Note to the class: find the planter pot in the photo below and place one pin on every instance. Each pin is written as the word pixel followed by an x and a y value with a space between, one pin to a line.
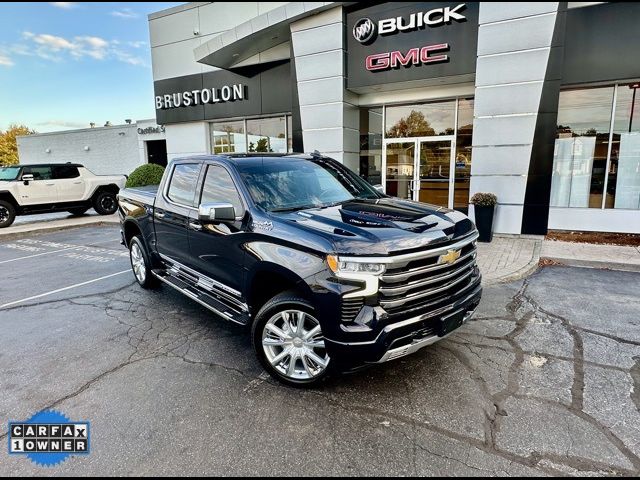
pixel 484 222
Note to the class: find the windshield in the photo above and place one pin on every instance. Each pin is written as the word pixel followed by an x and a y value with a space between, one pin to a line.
pixel 9 173
pixel 287 184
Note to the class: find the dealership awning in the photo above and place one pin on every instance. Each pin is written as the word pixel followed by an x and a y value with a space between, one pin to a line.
pixel 265 38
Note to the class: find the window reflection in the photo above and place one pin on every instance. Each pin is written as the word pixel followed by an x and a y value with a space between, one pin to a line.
pixel 228 137
pixel 425 120
pixel 581 148
pixel 371 145
pixel 267 135
pixel 623 185
pixel 463 155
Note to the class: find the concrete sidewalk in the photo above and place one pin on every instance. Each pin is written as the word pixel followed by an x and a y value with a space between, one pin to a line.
pixel 510 257
pixel 52 222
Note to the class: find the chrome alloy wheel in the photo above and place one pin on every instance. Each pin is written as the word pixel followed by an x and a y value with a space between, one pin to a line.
pixel 137 263
pixel 4 214
pixel 293 343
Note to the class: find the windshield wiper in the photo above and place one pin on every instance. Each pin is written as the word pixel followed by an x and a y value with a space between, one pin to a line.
pixel 291 209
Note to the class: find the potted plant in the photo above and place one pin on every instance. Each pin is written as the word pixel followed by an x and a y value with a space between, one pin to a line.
pixel 484 206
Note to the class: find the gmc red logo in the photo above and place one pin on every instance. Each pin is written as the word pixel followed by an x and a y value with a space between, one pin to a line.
pixel 415 56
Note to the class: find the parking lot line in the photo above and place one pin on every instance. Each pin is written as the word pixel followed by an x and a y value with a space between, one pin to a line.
pixel 53 251
pixel 10 304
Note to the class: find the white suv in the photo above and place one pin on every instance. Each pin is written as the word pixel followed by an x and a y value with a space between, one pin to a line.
pixel 70 187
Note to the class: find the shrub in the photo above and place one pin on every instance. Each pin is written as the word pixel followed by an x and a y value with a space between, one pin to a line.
pixel 484 199
pixel 149 174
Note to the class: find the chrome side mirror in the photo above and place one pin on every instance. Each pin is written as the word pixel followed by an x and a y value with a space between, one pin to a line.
pixel 27 177
pixel 379 188
pixel 216 212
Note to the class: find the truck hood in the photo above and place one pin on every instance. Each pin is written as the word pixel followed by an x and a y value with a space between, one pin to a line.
pixel 380 226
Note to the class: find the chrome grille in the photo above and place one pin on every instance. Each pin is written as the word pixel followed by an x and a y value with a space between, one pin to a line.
pixel 407 285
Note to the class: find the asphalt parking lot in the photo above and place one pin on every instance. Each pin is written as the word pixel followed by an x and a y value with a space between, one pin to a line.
pixel 544 380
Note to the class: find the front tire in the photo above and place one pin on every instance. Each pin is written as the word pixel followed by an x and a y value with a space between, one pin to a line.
pixel 7 214
pixel 288 341
pixel 140 264
pixel 105 203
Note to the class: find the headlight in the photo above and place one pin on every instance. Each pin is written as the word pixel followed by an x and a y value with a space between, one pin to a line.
pixel 338 266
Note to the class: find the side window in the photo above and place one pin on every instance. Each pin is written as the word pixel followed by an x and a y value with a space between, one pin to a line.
pixel 219 187
pixel 39 173
pixel 182 188
pixel 65 171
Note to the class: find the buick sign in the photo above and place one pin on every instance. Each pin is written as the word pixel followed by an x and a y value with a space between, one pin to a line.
pixel 364 30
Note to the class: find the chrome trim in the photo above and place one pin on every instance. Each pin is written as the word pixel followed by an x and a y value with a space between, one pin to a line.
pixel 425 281
pixel 405 350
pixel 203 281
pixel 399 277
pixel 407 257
pixel 402 301
pixel 412 320
pixel 193 297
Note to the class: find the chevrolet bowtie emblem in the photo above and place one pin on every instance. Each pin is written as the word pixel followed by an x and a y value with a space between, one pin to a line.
pixel 449 257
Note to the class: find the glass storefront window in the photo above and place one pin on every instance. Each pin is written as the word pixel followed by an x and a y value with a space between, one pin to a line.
pixel 267 135
pixel 271 134
pixel 595 165
pixel 371 145
pixel 464 134
pixel 228 137
pixel 623 185
pixel 425 120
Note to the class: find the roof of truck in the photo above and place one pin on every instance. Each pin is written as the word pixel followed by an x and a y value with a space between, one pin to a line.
pixel 49 165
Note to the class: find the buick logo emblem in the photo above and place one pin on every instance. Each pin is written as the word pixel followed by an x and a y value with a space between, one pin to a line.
pixel 364 30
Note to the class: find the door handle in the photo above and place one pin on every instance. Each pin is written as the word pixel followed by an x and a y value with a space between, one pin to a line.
pixel 51 184
pixel 159 215
pixel 77 183
pixel 195 226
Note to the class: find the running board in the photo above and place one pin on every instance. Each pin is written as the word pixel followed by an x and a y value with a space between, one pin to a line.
pixel 201 297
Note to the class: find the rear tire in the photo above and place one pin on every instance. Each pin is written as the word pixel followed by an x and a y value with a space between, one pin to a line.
pixel 7 214
pixel 76 212
pixel 288 341
pixel 141 265
pixel 105 203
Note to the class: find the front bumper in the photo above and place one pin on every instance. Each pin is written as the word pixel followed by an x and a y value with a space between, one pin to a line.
pixel 405 337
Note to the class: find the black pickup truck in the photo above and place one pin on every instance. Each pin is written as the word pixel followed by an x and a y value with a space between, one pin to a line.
pixel 328 272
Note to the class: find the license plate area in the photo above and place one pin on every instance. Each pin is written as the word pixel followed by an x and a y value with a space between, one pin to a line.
pixel 450 322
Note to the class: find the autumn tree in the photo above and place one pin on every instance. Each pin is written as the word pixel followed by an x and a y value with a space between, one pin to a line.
pixel 9 144
pixel 413 125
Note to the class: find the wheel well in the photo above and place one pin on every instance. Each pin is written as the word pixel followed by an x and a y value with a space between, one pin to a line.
pixel 265 286
pixel 106 188
pixel 7 197
pixel 131 229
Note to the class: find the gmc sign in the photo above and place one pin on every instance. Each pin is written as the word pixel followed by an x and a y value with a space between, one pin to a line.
pixel 415 56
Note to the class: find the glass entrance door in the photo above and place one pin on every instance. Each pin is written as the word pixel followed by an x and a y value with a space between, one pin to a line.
pixel 434 176
pixel 420 169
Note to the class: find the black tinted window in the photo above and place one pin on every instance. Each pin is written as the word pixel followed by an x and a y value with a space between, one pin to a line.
pixel 219 187
pixel 39 173
pixel 182 188
pixel 65 171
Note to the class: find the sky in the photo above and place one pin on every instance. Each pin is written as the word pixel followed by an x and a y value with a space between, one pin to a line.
pixel 66 64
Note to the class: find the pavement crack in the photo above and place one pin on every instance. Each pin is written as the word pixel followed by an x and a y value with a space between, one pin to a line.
pixel 635 377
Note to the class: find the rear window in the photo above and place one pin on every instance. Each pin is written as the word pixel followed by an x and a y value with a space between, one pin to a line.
pixel 182 188
pixel 65 171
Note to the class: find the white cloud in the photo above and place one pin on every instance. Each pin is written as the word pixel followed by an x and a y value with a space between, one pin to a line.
pixel 55 48
pixel 125 13
pixel 6 61
pixel 62 123
pixel 64 5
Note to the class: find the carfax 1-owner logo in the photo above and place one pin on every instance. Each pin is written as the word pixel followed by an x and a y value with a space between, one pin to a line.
pixel 48 438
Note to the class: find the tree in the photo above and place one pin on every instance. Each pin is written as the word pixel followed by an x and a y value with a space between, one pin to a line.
pixel 263 145
pixel 414 125
pixel 9 144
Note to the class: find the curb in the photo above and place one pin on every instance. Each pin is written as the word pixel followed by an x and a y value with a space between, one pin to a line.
pixel 525 271
pixel 55 228
pixel 575 262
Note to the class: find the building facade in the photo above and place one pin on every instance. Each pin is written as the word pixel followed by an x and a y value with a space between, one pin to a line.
pixel 109 150
pixel 535 102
